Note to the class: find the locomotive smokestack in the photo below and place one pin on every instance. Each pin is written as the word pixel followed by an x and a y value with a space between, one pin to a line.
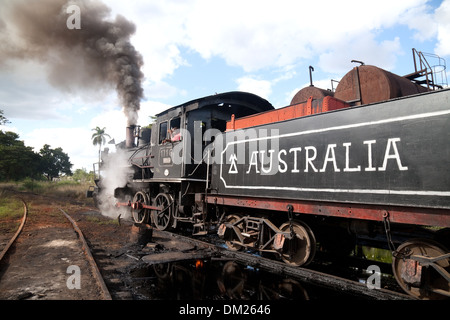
pixel 97 55
pixel 129 140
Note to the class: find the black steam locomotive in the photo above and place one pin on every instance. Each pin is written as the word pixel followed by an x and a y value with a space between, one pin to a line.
pixel 368 160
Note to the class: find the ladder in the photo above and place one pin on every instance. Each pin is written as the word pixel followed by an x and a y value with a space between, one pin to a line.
pixel 432 77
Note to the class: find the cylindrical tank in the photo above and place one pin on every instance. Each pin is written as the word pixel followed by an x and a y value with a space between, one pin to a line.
pixel 368 84
pixel 311 91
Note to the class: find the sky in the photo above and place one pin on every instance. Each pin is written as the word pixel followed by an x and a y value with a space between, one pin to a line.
pixel 196 48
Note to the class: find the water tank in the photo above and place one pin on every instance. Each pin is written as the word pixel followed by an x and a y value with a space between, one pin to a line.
pixel 368 84
pixel 311 91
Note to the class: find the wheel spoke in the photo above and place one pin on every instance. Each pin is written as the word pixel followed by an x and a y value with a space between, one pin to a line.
pixel 140 215
pixel 163 218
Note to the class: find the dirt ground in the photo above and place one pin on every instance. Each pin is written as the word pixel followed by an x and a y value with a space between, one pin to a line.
pixel 40 265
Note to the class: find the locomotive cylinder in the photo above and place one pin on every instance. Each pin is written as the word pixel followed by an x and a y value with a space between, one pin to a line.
pixel 369 84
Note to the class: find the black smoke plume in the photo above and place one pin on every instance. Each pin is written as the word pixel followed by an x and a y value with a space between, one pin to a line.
pixel 97 57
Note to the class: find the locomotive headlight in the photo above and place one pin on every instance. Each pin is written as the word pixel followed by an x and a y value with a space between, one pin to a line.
pixel 166 172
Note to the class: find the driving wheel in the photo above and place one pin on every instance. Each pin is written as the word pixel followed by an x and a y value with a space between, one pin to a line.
pixel 163 216
pixel 140 214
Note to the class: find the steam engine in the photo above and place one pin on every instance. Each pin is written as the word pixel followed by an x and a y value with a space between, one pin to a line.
pixel 369 161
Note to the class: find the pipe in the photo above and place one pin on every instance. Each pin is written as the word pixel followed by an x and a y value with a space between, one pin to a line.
pixel 311 69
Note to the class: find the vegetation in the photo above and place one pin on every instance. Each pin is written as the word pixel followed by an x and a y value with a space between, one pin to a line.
pixel 98 138
pixel 23 169
pixel 10 207
pixel 66 188
pixel 11 211
pixel 99 221
pixel 54 162
pixel 18 161
pixel 377 254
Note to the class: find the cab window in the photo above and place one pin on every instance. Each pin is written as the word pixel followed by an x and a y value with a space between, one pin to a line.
pixel 174 130
pixel 162 131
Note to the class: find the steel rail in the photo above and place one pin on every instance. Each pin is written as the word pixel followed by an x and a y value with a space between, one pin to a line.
pixel 19 230
pixel 96 272
pixel 315 277
pixel 307 275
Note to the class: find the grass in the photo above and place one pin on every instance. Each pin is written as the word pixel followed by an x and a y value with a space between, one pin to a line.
pixel 10 207
pixel 376 254
pixel 102 221
pixel 64 189
pixel 11 212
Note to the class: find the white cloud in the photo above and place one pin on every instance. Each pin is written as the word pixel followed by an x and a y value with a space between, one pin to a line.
pixel 150 108
pixel 442 17
pixel 365 49
pixel 421 20
pixel 260 34
pixel 427 24
pixel 161 90
pixel 159 33
pixel 262 88
pixel 26 94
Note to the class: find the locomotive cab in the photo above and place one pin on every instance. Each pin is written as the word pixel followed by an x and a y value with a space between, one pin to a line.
pixel 164 141
pixel 179 140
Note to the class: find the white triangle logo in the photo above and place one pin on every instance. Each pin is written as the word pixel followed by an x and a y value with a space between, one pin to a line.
pixel 233 167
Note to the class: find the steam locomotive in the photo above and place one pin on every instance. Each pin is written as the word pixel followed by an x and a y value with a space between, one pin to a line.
pixel 370 160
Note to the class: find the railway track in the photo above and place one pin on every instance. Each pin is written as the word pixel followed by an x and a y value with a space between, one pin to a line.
pixel 95 270
pixel 49 260
pixel 313 277
pixel 19 230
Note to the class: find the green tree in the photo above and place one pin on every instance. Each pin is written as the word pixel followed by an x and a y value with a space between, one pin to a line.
pixel 98 138
pixel 81 175
pixel 54 162
pixel 17 161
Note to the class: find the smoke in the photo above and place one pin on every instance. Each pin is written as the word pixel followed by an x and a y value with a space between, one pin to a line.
pixel 115 173
pixel 98 56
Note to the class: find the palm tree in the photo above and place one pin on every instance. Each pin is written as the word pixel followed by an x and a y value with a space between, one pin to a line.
pixel 98 138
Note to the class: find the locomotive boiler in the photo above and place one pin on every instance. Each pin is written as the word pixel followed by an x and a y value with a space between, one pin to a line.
pixel 371 160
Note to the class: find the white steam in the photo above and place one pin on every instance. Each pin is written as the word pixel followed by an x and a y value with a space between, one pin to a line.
pixel 115 172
